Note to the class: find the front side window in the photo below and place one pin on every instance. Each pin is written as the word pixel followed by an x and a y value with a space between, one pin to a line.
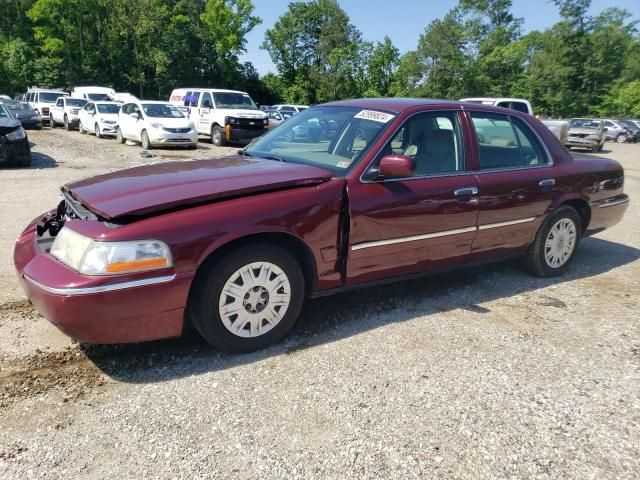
pixel 59 103
pixel 4 113
pixel 206 100
pixel 433 140
pixel 334 138
pixel 48 97
pixel 161 110
pixel 503 144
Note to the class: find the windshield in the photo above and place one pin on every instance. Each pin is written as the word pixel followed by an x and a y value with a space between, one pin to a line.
pixel 4 113
pixel 76 102
pixel 585 123
pixel 334 138
pixel 234 100
pixel 161 110
pixel 97 96
pixel 108 107
pixel 18 106
pixel 50 97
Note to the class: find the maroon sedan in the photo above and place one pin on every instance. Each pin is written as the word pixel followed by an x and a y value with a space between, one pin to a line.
pixel 340 196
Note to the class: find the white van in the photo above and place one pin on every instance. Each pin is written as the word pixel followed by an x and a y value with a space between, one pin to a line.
pixel 224 115
pixel 93 94
pixel 42 99
pixel 519 104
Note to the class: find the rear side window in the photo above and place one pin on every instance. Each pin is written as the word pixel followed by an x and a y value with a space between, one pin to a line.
pixel 506 142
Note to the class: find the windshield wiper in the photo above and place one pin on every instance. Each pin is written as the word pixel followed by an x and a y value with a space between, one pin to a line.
pixel 273 157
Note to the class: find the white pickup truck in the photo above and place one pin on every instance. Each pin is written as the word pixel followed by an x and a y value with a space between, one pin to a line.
pixel 66 111
pixel 224 115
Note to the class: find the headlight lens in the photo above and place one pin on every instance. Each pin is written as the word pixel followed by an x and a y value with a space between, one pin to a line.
pixel 91 257
pixel 230 120
pixel 156 125
pixel 593 137
pixel 17 134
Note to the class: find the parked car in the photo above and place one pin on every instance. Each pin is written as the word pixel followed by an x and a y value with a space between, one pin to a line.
pixel 615 131
pixel 519 104
pixel 275 118
pixel 41 100
pixel 634 130
pixel 586 133
pixel 22 111
pixel 5 97
pixel 155 124
pixel 560 128
pixel 235 244
pixel 224 115
pixel 14 144
pixel 290 108
pixel 99 118
pixel 66 111
pixel 93 93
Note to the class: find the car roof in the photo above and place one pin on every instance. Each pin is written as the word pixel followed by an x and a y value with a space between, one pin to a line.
pixel 214 90
pixel 398 105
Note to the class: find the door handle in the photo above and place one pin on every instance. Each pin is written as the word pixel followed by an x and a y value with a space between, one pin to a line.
pixel 547 182
pixel 465 192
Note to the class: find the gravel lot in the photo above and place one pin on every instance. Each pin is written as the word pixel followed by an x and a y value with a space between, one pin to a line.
pixel 482 374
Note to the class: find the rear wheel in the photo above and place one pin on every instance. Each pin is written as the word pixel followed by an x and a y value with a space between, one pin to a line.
pixel 217 136
pixel 621 138
pixel 555 243
pixel 144 137
pixel 119 137
pixel 247 299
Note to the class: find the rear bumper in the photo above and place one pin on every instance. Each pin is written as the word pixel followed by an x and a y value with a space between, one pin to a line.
pixel 607 212
pixel 99 309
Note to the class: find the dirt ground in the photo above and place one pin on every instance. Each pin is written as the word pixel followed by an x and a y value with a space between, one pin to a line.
pixel 483 374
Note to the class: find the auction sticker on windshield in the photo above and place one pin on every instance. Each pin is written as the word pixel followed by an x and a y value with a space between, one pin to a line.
pixel 381 117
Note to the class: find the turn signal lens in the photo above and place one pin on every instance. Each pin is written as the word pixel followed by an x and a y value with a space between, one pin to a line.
pixel 137 265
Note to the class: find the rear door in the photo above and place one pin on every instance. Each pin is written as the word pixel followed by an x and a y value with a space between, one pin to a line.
pixel 402 226
pixel 516 182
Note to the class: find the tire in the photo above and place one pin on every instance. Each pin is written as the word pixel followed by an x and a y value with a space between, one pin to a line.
pixel 192 147
pixel 119 136
pixel 96 129
pixel 217 136
pixel 539 257
pixel 600 147
pixel 81 128
pixel 206 303
pixel 622 138
pixel 67 125
pixel 52 124
pixel 144 137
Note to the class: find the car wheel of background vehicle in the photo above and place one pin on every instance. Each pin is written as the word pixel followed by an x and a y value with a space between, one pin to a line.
pixel 217 136
pixel 555 243
pixel 52 124
pixel 192 147
pixel 97 130
pixel 600 147
pixel 621 138
pixel 80 128
pixel 39 127
pixel 119 137
pixel 27 161
pixel 66 123
pixel 595 148
pixel 247 299
pixel 146 144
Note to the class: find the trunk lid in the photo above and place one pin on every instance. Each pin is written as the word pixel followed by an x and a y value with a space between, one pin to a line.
pixel 163 186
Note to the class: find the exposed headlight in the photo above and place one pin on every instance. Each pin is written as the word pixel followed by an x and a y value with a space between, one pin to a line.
pixel 156 125
pixel 593 137
pixel 91 257
pixel 17 134
pixel 230 120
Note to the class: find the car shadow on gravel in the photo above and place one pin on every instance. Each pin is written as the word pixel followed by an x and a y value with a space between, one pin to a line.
pixel 38 160
pixel 330 319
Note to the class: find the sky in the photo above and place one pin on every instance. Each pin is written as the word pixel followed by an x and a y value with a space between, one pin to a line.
pixel 406 20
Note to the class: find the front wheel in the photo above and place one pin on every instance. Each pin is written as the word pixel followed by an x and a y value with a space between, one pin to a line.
pixel 67 125
pixel 555 243
pixel 52 124
pixel 119 137
pixel 247 299
pixel 144 137
pixel 97 130
pixel 217 136
pixel 81 128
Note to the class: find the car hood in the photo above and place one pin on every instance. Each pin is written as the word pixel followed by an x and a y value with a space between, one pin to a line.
pixel 255 114
pixel 586 131
pixel 8 125
pixel 24 113
pixel 169 122
pixel 153 188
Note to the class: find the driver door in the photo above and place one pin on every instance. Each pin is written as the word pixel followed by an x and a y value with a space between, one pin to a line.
pixel 401 226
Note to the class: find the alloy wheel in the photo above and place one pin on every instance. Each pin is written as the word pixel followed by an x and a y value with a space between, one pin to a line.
pixel 560 243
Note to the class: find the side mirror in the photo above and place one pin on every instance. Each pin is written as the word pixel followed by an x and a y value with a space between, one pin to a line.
pixel 397 166
pixel 135 115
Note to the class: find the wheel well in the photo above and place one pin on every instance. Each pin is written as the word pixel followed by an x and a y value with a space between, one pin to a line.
pixel 291 244
pixel 583 209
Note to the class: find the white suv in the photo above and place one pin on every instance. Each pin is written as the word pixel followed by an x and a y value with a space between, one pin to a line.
pixel 155 124
pixel 225 115
pixel 42 99
pixel 66 112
